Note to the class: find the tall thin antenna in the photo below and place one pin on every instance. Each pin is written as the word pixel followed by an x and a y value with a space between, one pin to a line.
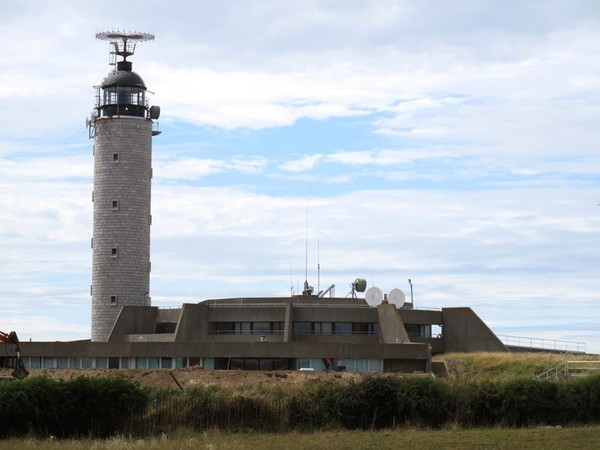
pixel 318 265
pixel 307 289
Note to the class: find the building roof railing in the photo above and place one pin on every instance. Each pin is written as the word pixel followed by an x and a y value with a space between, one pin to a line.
pixel 543 344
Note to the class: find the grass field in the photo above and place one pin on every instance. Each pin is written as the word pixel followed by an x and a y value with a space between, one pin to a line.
pixel 537 438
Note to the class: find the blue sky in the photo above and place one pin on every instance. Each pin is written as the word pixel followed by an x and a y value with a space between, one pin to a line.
pixel 453 143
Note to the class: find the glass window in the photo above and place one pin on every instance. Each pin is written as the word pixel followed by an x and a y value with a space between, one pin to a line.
pixel 73 363
pixel 375 365
pixel 317 363
pixel 208 363
pixel 63 363
pixel 261 327
pixel 194 361
pixel 101 363
pixel 48 363
pixel 124 363
pixel 361 365
pixel 180 363
pixel 166 363
pixel 36 362
pixel 360 328
pixel 113 362
pixel 343 328
pixel 153 363
pixel 303 363
pixel 326 328
pixel 86 363
pixel 302 328
pixel 141 363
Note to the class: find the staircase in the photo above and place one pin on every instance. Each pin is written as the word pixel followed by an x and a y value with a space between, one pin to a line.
pixel 572 369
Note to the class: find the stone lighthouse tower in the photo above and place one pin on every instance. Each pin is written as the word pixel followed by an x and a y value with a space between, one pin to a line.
pixel 122 128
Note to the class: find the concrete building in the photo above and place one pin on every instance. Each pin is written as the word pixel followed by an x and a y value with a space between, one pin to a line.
pixel 300 332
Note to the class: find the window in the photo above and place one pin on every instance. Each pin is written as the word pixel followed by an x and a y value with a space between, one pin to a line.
pixel 115 205
pixel 113 299
pixel 114 252
pixel 86 363
pixel 343 328
pixel 302 328
pixel 101 363
pixel 141 363
pixel 36 362
pixel 48 363
pixel 115 157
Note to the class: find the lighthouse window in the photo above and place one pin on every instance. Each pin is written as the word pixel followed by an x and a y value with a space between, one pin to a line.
pixel 115 157
pixel 114 252
pixel 115 205
pixel 113 299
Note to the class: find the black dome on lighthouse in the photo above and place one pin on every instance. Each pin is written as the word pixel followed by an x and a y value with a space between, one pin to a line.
pixel 123 78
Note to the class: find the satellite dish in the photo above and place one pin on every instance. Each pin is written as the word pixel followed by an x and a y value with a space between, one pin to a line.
pixel 396 296
pixel 374 296
pixel 154 112
pixel 360 284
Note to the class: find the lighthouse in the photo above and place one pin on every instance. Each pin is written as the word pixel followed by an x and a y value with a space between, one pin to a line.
pixel 121 125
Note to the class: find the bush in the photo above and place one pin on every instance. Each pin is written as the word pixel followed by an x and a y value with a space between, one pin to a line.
pixel 529 402
pixel 96 407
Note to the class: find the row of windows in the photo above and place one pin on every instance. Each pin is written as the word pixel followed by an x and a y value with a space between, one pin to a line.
pixel 319 328
pixel 317 364
pixel 339 328
pixel 349 364
pixel 246 327
pixel 38 362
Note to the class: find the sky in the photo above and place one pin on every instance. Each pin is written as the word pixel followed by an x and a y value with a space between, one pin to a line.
pixel 451 143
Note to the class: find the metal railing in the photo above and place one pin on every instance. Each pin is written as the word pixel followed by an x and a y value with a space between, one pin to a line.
pixel 543 344
pixel 572 369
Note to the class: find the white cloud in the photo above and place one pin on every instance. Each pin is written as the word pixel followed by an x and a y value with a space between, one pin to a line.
pixel 462 91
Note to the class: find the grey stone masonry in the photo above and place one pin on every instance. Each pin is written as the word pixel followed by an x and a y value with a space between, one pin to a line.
pixel 121 239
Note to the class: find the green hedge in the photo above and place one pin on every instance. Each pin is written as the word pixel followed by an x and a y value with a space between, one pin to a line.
pixel 84 406
pixel 101 407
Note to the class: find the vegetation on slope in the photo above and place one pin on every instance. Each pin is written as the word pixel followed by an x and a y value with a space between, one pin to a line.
pixel 504 366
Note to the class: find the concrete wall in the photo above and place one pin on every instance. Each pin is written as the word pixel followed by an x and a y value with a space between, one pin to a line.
pixel 193 324
pixel 464 331
pixel 134 320
pixel 391 327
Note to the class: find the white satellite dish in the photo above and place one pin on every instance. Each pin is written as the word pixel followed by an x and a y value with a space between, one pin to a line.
pixel 374 296
pixel 397 297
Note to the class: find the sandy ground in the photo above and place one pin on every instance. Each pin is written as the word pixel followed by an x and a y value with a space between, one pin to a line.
pixel 196 376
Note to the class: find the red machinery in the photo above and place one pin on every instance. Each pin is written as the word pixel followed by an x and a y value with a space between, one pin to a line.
pixel 14 362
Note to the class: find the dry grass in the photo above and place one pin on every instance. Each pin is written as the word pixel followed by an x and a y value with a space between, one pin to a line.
pixel 503 366
pixel 495 438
